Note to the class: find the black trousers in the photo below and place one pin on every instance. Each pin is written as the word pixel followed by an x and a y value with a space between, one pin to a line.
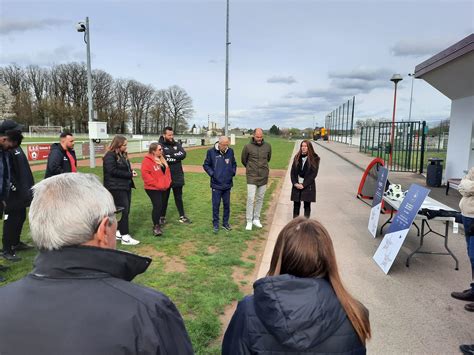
pixel 297 207
pixel 123 198
pixel 178 200
pixel 157 198
pixel 12 226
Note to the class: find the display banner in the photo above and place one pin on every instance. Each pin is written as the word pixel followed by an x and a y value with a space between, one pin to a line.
pixel 38 151
pixel 377 202
pixel 398 230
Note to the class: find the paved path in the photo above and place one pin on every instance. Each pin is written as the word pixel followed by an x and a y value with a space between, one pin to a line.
pixel 352 155
pixel 411 310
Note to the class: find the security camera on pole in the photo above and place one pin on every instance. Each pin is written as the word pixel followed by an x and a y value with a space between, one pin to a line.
pixel 84 27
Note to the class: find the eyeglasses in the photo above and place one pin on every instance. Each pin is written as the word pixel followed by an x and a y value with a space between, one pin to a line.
pixel 117 214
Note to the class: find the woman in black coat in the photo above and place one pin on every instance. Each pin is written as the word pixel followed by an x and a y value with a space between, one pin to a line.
pixel 118 179
pixel 302 305
pixel 303 177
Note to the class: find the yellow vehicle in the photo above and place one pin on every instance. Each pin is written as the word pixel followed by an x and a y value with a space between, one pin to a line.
pixel 320 133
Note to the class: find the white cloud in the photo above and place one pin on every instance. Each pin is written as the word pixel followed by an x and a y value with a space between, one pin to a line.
pixel 10 26
pixel 57 55
pixel 421 47
pixel 281 80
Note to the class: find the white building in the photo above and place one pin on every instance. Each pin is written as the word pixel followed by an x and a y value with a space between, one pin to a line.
pixel 452 73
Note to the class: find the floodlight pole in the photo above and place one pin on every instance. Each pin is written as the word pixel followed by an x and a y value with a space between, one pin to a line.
pixel 411 95
pixel 395 78
pixel 227 44
pixel 86 29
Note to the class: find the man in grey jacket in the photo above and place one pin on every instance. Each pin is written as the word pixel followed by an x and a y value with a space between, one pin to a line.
pixel 255 157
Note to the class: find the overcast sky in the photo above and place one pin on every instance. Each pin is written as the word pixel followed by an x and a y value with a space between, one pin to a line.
pixel 291 62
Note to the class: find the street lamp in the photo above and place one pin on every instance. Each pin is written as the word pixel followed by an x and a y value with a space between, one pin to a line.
pixel 84 27
pixel 411 95
pixel 395 78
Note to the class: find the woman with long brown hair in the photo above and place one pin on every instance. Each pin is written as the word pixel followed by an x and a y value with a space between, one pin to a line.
pixel 118 179
pixel 302 305
pixel 156 177
pixel 304 170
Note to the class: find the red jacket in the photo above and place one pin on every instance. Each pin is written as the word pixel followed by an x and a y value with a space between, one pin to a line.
pixel 152 175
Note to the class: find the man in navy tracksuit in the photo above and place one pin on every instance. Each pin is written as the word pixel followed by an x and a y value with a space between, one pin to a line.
pixel 220 165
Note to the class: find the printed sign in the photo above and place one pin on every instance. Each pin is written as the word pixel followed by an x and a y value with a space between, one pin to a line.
pixel 396 234
pixel 99 148
pixel 38 151
pixel 377 202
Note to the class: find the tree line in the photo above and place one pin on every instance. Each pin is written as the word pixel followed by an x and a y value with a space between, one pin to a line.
pixel 57 96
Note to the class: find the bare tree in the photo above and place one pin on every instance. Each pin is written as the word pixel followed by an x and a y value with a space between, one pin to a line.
pixel 159 112
pixel 140 100
pixel 102 93
pixel 119 114
pixel 38 79
pixel 6 102
pixel 179 107
pixel 14 77
pixel 58 96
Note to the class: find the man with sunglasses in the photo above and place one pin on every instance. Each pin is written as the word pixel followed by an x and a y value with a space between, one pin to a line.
pixel 79 298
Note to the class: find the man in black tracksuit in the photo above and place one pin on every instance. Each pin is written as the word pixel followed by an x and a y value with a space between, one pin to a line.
pixel 5 145
pixel 20 195
pixel 62 158
pixel 174 154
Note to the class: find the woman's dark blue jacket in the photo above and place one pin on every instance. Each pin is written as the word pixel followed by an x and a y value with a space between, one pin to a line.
pixel 291 315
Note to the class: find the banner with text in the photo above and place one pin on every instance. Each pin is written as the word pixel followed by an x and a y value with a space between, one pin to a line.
pixel 38 151
pixel 396 234
pixel 377 202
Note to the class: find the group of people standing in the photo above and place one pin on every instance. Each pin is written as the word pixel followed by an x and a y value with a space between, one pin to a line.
pixel 301 306
pixel 221 166
pixel 161 171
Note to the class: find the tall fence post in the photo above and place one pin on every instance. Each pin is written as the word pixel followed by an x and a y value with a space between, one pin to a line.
pixel 423 138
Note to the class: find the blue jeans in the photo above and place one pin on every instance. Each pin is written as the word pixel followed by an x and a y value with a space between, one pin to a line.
pixel 468 225
pixel 217 196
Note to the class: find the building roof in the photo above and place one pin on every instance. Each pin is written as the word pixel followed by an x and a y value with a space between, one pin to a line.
pixel 451 71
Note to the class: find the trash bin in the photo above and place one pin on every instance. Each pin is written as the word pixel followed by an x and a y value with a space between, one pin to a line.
pixel 434 173
pixel 203 141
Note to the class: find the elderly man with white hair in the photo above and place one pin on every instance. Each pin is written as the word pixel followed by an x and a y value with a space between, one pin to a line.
pixel 221 166
pixel 79 298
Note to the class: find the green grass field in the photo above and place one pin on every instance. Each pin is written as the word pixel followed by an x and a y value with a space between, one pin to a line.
pixel 190 264
pixel 281 152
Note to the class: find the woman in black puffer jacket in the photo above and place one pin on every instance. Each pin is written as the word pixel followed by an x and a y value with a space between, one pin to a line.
pixel 118 179
pixel 301 306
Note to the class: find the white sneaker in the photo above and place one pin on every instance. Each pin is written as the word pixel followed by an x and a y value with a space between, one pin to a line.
pixel 118 236
pixel 248 227
pixel 128 240
pixel 256 223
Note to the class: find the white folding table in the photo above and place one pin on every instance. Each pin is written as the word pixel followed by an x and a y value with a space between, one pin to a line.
pixel 430 204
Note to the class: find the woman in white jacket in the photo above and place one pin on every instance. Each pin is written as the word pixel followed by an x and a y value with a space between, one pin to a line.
pixel 466 188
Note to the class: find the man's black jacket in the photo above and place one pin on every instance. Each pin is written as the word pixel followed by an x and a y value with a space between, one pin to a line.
pixel 58 162
pixel 21 179
pixel 79 300
pixel 174 154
